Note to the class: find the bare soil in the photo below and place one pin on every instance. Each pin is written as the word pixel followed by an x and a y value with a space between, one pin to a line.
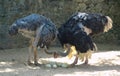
pixel 103 63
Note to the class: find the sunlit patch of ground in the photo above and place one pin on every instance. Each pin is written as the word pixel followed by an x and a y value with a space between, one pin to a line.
pixel 110 58
pixel 13 63
pixel 98 59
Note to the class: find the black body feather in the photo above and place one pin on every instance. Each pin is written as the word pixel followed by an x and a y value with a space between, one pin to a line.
pixel 95 22
pixel 79 28
pixel 75 36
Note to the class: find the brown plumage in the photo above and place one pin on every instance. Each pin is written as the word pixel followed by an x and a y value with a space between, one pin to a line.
pixel 39 29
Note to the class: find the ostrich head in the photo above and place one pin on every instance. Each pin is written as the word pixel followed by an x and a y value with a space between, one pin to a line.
pixel 13 30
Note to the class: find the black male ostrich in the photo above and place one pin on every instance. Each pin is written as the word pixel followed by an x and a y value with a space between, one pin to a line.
pixel 76 33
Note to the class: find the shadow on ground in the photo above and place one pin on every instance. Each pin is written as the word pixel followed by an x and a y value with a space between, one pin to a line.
pixel 13 63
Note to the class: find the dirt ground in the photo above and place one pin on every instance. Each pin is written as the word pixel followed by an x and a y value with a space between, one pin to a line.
pixel 13 63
